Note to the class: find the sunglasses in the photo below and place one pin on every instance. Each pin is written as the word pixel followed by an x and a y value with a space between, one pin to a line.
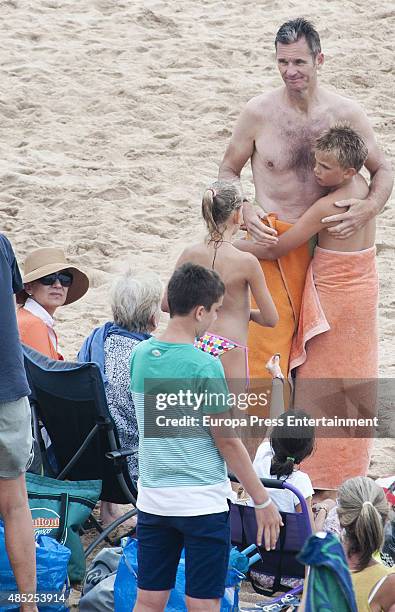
pixel 65 279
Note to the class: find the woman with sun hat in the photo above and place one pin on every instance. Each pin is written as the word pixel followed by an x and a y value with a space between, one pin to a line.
pixel 49 282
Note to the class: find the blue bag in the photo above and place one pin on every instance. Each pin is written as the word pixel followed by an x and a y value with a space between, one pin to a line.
pixel 51 560
pixel 125 588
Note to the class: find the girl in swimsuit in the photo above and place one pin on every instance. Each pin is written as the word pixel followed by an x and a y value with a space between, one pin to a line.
pixel 240 272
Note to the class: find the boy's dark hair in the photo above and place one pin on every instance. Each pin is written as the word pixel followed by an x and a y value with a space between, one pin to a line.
pixel 345 144
pixel 291 443
pixel 293 30
pixel 192 285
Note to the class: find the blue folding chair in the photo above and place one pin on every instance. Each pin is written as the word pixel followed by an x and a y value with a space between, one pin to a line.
pixel 69 399
pixel 279 563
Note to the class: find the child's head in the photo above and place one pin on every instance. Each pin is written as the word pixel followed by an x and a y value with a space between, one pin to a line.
pixel 197 291
pixel 363 511
pixel 221 206
pixel 340 153
pixel 291 442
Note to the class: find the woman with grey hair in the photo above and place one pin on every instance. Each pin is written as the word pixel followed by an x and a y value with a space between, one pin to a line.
pixel 135 304
pixel 363 511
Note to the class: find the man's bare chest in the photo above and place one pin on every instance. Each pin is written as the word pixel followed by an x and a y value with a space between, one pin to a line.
pixel 286 144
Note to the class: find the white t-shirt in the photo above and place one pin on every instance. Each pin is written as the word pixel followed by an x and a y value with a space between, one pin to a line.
pixel 284 500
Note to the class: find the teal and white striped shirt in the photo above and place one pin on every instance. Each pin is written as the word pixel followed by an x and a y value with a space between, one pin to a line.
pixel 181 470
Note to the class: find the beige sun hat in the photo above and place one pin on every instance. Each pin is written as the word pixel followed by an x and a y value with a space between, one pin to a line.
pixel 47 260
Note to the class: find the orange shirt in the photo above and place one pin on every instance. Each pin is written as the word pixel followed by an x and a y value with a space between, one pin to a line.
pixel 34 332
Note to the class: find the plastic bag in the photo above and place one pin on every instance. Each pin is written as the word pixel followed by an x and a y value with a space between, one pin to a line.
pixel 125 589
pixel 98 592
pixel 51 560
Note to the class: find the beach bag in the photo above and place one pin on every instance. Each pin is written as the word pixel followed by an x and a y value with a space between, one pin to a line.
pixel 98 591
pixel 59 508
pixel 125 589
pixel 52 584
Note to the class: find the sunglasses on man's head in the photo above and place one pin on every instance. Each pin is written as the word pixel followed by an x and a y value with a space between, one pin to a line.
pixel 65 279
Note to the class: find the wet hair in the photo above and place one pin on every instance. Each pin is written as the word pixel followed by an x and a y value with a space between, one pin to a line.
pixel 192 285
pixel 291 442
pixel 218 203
pixel 293 30
pixel 363 511
pixel 135 301
pixel 345 144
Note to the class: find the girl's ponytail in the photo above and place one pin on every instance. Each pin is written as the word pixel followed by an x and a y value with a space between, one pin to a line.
pixel 283 467
pixel 290 442
pixel 208 203
pixel 218 203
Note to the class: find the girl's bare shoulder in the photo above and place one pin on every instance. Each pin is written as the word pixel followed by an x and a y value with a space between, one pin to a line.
pixel 248 259
pixel 193 251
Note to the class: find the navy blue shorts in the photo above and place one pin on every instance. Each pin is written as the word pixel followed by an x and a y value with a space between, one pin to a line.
pixel 207 544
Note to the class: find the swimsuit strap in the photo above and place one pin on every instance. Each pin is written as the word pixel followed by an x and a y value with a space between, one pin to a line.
pixel 215 254
pixel 217 244
pixel 376 588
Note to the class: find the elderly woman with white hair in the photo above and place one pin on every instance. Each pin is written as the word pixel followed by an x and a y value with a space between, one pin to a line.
pixel 135 303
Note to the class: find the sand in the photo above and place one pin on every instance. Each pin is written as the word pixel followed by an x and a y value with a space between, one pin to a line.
pixel 115 115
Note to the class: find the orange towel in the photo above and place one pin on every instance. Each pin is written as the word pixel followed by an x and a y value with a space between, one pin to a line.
pixel 336 349
pixel 285 279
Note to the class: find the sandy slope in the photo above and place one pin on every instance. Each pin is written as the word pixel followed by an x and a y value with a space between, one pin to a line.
pixel 115 114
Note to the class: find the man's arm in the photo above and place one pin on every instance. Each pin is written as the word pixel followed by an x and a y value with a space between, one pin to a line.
pixel 361 211
pixel 241 146
pixel 238 152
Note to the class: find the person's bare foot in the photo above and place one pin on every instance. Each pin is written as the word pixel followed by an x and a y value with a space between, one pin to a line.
pixel 273 366
pixel 109 512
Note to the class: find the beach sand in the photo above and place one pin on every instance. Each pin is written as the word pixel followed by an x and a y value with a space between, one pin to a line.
pixel 115 115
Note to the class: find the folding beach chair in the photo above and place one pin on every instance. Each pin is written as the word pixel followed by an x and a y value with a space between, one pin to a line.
pixel 279 563
pixel 70 400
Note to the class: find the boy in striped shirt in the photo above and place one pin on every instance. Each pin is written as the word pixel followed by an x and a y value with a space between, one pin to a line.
pixel 183 488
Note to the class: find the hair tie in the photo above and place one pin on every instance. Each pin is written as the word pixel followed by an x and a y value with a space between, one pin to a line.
pixel 367 503
pixel 291 459
pixel 212 191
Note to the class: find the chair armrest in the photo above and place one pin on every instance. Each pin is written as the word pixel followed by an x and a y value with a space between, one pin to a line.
pixel 120 454
pixel 268 483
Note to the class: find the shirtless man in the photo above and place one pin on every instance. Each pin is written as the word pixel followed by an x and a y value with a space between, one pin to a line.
pixel 277 131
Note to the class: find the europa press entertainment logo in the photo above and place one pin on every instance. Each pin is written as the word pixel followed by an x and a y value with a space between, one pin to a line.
pixel 46 520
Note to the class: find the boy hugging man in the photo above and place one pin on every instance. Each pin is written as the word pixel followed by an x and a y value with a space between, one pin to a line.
pixel 340 154
pixel 183 488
